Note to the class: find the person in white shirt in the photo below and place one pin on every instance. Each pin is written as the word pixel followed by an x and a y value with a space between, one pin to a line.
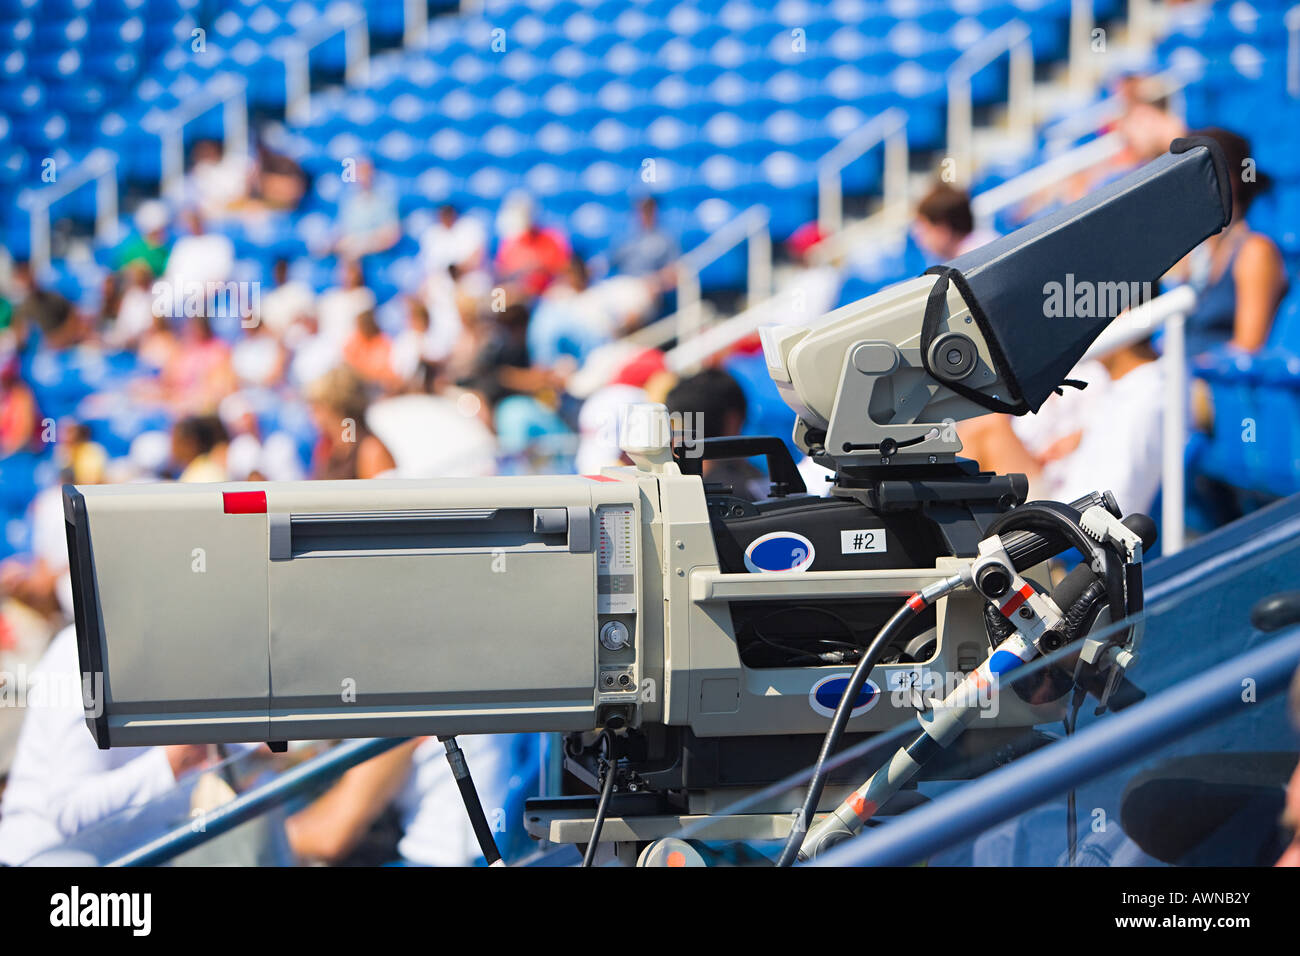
pixel 424 344
pixel 1118 448
pixel 454 241
pixel 61 782
pixel 1104 438
pixel 337 308
pixel 196 260
pixel 288 302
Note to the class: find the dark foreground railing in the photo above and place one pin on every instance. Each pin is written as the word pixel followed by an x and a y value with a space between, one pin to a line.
pixel 1183 709
pixel 322 769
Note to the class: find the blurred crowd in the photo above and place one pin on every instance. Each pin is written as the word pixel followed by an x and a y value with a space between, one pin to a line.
pixel 506 353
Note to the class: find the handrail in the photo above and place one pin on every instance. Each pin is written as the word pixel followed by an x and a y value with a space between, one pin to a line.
pixel 1012 39
pixel 320 769
pixel 1292 22
pixel 890 128
pixel 693 352
pixel 1080 68
pixel 989 203
pixel 415 22
pixel 350 20
pixel 656 334
pixel 752 227
pixel 1142 23
pixel 1171 715
pixel 1139 322
pixel 1095 116
pixel 226 90
pixel 99 167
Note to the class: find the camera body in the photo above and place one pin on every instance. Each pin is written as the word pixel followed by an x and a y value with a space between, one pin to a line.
pixel 279 611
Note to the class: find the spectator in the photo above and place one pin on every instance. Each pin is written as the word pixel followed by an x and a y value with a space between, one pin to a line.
pixel 19 417
pixel 134 316
pixel 503 367
pixel 368 220
pixel 1107 436
pixel 650 251
pixel 711 404
pixel 280 182
pixel 567 323
pixel 338 308
pixel 217 184
pixel 369 353
pixel 53 316
pixel 411 786
pixel 530 256
pixel 1239 274
pixel 945 226
pixel 199 449
pixel 420 351
pixel 250 456
pixel 198 373
pixel 147 246
pixel 197 259
pixel 454 244
pixel 258 359
pixel 60 782
pixel 41 582
pixel 286 303
pixel 346 448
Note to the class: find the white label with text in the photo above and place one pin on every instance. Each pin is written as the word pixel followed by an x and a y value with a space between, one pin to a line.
pixel 866 541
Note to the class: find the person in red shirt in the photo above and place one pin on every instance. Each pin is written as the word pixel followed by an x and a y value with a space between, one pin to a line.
pixel 530 256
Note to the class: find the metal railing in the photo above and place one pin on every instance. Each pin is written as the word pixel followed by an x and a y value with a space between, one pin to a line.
pixel 1098 115
pixel 1012 40
pixel 228 91
pixel 889 128
pixel 415 22
pixel 1211 696
pixel 351 22
pixel 986 205
pixel 750 227
pixel 1143 23
pixel 100 168
pixel 692 353
pixel 319 770
pixel 1081 68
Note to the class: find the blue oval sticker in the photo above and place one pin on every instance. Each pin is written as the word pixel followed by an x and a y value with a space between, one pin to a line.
pixel 779 551
pixel 826 694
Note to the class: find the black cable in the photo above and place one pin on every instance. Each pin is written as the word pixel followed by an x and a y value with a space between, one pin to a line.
pixel 817 783
pixel 602 807
pixel 853 644
pixel 473 806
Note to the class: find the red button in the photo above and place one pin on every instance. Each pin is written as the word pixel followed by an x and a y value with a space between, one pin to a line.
pixel 244 502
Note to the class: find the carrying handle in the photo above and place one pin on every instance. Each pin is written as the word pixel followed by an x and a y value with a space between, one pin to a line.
pixel 785 477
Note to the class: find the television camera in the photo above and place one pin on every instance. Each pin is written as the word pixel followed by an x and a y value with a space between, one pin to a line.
pixel 691 645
